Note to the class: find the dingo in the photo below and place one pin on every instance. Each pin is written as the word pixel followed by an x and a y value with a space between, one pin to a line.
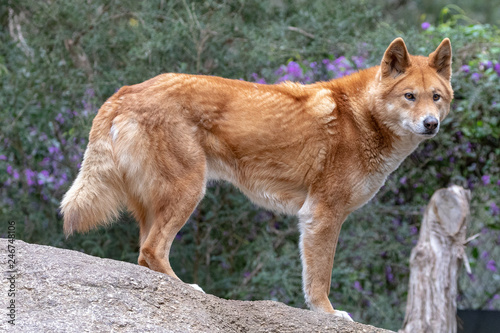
pixel 318 151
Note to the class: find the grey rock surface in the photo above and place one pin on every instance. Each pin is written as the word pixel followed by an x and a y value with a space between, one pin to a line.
pixel 67 291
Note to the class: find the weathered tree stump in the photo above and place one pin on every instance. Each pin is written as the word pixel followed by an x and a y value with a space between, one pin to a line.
pixel 435 263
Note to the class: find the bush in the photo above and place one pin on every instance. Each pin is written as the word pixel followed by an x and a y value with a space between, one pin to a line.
pixel 57 68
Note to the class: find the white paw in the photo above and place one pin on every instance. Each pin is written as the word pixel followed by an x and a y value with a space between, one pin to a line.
pixel 196 287
pixel 343 315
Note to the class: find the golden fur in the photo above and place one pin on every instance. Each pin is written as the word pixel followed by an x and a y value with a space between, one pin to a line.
pixel 319 151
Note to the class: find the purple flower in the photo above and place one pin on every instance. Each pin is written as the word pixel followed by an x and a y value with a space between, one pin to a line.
pixel 470 147
pixel 60 118
pixel 53 150
pixel 285 77
pixel 30 176
pixel 330 67
pixel 45 162
pixel 343 65
pixel 342 61
pixel 485 255
pixel 3 158
pixel 294 69
pixel 491 265
pixel 425 25
pixel 485 179
pixel 495 210
pixel 357 286
pixel 358 61
pixel 9 169
pixel 62 180
pixel 465 68
pixel 413 230
pixel 280 71
pixel 257 79
pixel 44 177
pixel 15 174
pixel 492 300
pixel 475 77
pixel 497 68
pixel 486 65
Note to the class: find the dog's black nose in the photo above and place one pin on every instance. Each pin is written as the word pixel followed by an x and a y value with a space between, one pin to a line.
pixel 431 123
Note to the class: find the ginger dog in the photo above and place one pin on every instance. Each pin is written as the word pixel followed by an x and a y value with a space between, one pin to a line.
pixel 318 151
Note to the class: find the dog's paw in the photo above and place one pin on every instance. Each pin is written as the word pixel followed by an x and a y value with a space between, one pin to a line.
pixel 343 315
pixel 196 287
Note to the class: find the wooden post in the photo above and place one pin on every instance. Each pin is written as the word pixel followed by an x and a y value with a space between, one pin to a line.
pixel 435 263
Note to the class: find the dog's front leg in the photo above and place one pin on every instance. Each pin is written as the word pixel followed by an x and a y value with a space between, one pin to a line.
pixel 319 233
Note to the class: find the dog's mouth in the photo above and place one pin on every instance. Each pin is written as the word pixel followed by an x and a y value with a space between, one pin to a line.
pixel 429 133
pixel 425 134
pixel 420 131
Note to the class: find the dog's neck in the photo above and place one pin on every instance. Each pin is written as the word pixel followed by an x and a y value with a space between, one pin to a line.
pixel 384 147
pixel 392 147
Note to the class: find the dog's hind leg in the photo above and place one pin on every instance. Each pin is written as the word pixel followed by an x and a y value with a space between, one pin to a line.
pixel 163 167
pixel 164 171
pixel 140 213
pixel 173 202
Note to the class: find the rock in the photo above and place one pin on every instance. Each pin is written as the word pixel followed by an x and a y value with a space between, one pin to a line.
pixel 67 291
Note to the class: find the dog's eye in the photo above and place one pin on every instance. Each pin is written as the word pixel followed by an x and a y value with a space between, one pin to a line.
pixel 410 96
pixel 436 97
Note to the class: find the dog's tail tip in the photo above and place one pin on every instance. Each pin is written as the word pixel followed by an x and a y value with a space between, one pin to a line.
pixel 68 226
pixel 74 222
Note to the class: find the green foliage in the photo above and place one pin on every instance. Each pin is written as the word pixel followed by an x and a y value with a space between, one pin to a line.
pixel 60 60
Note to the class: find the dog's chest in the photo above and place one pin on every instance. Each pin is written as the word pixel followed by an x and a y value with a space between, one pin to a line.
pixel 366 185
pixel 365 189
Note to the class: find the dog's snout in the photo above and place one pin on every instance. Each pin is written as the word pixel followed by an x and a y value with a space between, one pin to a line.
pixel 431 123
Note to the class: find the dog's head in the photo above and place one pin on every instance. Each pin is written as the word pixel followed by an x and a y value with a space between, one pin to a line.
pixel 414 91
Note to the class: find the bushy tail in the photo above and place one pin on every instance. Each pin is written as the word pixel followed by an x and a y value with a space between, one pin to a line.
pixel 97 193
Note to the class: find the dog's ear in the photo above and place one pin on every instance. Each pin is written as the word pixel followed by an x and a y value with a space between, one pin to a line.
pixel 441 59
pixel 396 59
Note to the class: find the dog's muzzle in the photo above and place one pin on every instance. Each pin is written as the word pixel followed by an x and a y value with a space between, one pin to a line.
pixel 431 125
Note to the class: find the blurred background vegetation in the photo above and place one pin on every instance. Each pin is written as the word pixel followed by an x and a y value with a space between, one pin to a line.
pixel 60 60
